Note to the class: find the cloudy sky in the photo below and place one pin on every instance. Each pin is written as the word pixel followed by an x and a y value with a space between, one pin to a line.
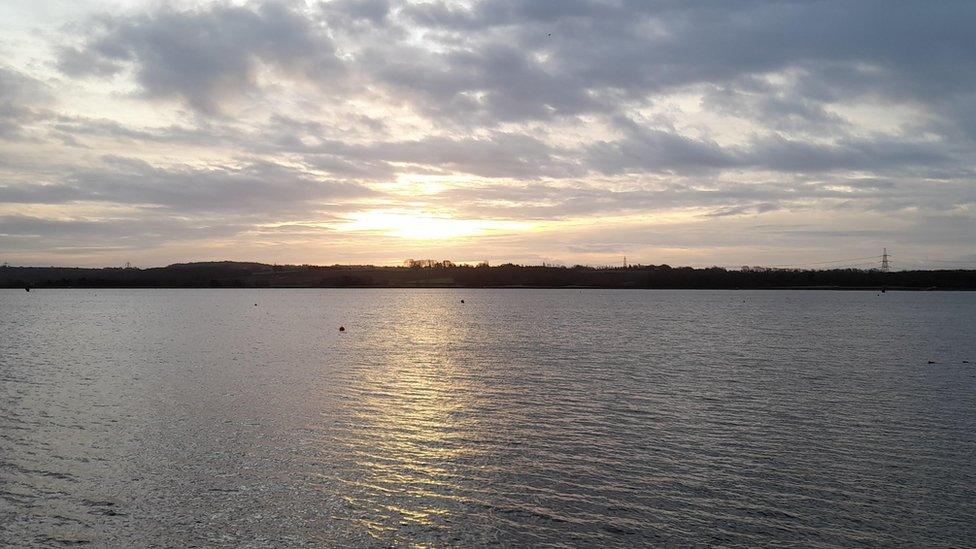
pixel 732 132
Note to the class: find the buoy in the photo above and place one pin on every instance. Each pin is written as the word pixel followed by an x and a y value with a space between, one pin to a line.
pixel 255 304
pixel 27 289
pixel 342 328
pixel 462 301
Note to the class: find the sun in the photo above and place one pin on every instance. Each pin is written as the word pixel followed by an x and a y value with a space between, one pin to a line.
pixel 422 225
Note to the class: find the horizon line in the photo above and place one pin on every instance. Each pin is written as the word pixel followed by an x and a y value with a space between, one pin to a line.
pixel 483 264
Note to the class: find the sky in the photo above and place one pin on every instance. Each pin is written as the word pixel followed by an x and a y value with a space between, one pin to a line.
pixel 733 132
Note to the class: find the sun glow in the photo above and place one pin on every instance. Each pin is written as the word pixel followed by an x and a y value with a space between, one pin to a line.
pixel 425 226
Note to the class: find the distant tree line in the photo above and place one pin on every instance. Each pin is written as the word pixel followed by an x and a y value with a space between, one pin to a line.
pixel 431 273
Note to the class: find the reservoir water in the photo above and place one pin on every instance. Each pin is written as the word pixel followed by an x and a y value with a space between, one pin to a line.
pixel 177 418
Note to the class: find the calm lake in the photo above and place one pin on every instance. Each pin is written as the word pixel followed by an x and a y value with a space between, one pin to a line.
pixel 617 418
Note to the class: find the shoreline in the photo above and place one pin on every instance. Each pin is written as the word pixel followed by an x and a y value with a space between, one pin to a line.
pixel 448 275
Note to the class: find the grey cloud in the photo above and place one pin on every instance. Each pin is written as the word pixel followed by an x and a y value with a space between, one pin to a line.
pixel 73 236
pixel 525 59
pixel 257 188
pixel 508 154
pixel 208 56
pixel 339 167
pixel 493 155
pixel 373 11
pixel 123 228
pixel 41 194
pixel 22 99
pixel 496 155
pixel 487 69
pixel 720 198
pixel 789 155
pixel 543 201
pixel 176 204
pixel 77 62
pixel 759 208
pixel 652 150
pixel 260 187
pixel 200 135
pixel 643 47
pixel 781 107
pixel 485 85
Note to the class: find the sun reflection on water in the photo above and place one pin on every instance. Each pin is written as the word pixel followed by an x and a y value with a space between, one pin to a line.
pixel 411 425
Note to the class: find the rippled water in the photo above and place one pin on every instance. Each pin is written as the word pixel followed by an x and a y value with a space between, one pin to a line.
pixel 195 417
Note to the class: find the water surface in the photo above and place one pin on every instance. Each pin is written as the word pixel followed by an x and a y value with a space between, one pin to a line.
pixel 566 417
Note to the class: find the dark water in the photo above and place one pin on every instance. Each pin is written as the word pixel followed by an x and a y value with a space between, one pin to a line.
pixel 616 418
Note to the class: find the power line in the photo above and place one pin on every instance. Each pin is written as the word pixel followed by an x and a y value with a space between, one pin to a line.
pixel 829 262
pixel 961 261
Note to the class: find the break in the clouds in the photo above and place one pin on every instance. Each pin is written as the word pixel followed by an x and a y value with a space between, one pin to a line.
pixel 698 132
